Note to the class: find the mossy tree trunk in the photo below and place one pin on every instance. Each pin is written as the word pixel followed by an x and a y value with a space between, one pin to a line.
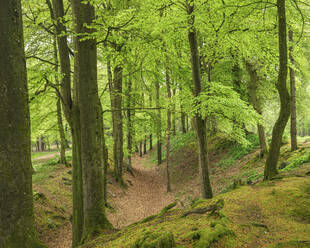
pixel 293 130
pixel 252 89
pixel 91 130
pixel 72 114
pixel 285 100
pixel 17 227
pixel 198 122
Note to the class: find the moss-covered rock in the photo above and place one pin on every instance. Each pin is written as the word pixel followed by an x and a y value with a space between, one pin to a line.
pixel 204 238
pixel 155 240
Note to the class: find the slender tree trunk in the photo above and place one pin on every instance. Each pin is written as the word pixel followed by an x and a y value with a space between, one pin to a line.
pixel 168 132
pixel 17 227
pixel 117 124
pixel 59 114
pixel 90 123
pixel 105 155
pixel 158 126
pixel 151 136
pixel 151 142
pixel 183 117
pixel 252 89
pixel 140 149
pixel 294 146
pixel 278 129
pixel 129 125
pixel 199 122
pixel 144 146
pixel 173 115
pixel 62 134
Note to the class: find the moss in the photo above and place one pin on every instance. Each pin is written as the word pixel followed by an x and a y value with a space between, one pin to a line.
pixel 167 208
pixel 155 240
pixel 149 218
pixel 198 202
pixel 293 244
pixel 204 238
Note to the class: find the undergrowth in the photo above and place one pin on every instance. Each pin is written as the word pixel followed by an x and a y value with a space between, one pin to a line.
pixel 238 151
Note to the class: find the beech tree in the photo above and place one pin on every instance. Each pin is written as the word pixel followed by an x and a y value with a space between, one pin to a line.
pixel 17 228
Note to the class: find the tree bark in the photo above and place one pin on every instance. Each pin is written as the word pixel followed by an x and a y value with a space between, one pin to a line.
pixel 129 125
pixel 168 132
pixel 61 133
pixel 293 130
pixel 144 146
pixel 116 101
pixel 254 100
pixel 72 114
pixel 285 108
pixel 173 115
pixel 198 121
pixel 59 114
pixel 140 149
pixel 90 123
pixel 158 126
pixel 17 227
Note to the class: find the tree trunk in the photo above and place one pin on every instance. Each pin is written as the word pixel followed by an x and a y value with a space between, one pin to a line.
pixel 151 142
pixel 252 89
pixel 90 123
pixel 158 126
pixel 144 146
pixel 59 114
pixel 62 134
pixel 168 132
pixel 118 152
pixel 72 114
pixel 294 146
pixel 278 129
pixel 129 125
pixel 199 122
pixel 173 115
pixel 183 118
pixel 140 149
pixel 17 227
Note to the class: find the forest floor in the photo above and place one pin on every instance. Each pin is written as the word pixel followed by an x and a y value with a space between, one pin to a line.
pixel 145 193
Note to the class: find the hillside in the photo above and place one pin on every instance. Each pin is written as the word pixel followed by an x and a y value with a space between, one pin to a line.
pixel 249 214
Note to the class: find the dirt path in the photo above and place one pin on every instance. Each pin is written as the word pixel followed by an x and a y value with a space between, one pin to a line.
pixel 46 157
pixel 146 194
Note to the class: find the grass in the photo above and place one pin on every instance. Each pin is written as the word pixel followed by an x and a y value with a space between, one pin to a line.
pixel 39 154
pixel 43 171
pixel 238 151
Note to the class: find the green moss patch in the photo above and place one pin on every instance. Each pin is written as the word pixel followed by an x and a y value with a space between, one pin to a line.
pixel 204 238
pixel 155 240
